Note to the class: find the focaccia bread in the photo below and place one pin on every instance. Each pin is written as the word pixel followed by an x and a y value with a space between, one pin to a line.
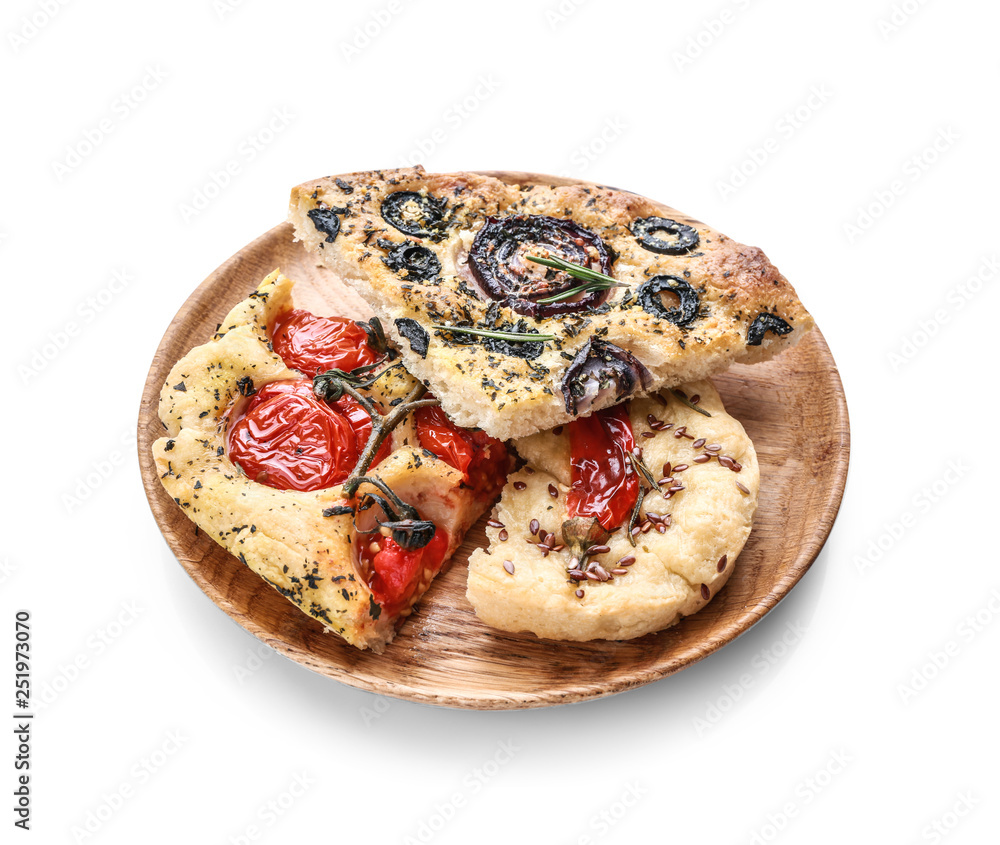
pixel 688 532
pixel 444 258
pixel 304 543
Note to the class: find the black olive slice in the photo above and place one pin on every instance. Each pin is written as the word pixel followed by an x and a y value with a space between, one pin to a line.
pixel 645 229
pixel 764 323
pixel 416 261
pixel 327 222
pixel 597 368
pixel 649 298
pixel 414 214
pixel 498 261
pixel 415 333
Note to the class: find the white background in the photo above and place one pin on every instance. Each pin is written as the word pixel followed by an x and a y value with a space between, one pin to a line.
pixel 863 709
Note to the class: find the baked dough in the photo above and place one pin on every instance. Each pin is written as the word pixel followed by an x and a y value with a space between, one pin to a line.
pixel 403 238
pixel 675 572
pixel 283 535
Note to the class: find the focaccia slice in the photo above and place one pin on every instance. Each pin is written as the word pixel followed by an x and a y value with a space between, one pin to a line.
pixel 685 547
pixel 432 250
pixel 296 541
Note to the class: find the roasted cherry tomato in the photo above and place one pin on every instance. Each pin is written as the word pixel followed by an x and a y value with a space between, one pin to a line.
pixel 288 439
pixel 604 486
pixel 314 344
pixel 481 458
pixel 394 572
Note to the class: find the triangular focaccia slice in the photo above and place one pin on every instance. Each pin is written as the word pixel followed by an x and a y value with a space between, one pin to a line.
pixel 430 250
pixel 313 556
pixel 688 532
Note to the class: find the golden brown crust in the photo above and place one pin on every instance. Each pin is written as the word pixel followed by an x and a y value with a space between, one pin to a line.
pixel 510 396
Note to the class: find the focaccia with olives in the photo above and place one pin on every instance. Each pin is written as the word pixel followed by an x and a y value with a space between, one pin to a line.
pixel 515 346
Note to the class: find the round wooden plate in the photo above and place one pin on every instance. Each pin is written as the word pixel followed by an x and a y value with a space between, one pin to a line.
pixel 793 408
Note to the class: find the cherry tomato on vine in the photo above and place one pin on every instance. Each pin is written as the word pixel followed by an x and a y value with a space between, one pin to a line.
pixel 314 344
pixel 481 458
pixel 288 439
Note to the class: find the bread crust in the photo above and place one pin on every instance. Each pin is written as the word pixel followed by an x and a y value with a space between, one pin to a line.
pixel 511 396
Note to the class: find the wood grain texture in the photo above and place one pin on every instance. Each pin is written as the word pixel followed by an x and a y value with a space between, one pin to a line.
pixel 793 408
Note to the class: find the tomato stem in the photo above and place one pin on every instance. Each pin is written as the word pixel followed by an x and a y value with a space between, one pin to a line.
pixel 382 426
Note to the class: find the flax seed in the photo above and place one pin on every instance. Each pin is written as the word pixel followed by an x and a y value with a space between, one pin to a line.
pixel 509 567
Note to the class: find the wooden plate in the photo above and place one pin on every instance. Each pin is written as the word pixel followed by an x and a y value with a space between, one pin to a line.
pixel 793 408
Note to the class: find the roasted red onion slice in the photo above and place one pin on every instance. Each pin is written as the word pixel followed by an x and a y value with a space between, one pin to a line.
pixel 498 260
pixel 598 368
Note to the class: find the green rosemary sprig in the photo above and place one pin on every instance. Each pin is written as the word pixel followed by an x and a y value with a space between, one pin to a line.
pixel 634 517
pixel 643 470
pixel 577 271
pixel 587 288
pixel 680 397
pixel 523 337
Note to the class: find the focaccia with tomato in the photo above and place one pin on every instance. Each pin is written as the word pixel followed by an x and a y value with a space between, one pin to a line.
pixel 526 306
pixel 620 523
pixel 261 442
